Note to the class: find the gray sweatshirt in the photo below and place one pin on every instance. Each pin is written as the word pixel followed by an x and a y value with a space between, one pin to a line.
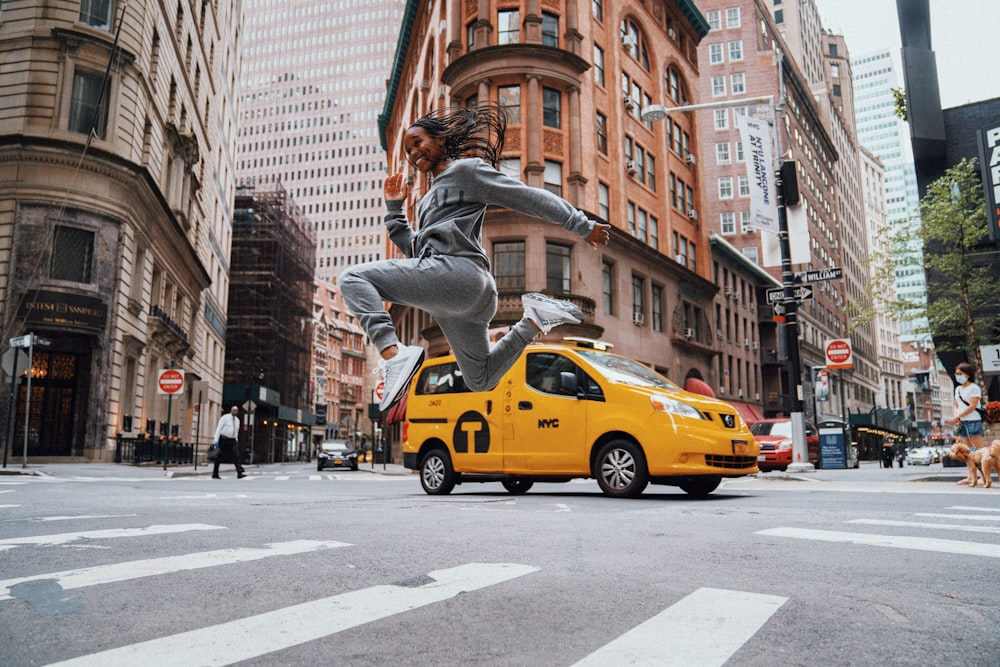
pixel 451 212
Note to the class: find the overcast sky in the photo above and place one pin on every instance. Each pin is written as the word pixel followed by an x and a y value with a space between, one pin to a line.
pixel 965 36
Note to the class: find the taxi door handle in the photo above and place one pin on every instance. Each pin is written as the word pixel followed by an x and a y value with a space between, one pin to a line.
pixel 524 405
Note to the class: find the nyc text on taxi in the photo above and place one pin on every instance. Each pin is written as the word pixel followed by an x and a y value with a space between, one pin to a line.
pixel 568 411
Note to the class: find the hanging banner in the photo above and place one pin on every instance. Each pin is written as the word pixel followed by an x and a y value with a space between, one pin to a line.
pixel 758 147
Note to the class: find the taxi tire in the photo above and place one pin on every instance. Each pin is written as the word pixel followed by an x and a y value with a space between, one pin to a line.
pixel 701 487
pixel 620 469
pixel 517 485
pixel 437 476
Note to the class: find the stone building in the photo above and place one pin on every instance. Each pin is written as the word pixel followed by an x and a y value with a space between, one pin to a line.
pixel 117 135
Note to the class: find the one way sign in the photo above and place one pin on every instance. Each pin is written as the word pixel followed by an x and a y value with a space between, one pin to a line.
pixel 799 293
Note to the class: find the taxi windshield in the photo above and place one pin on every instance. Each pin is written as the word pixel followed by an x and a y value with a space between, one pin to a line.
pixel 625 371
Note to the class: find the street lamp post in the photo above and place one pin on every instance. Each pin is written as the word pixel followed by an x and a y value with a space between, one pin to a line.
pixel 788 311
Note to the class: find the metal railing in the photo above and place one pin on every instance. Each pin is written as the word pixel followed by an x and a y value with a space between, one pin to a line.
pixel 150 449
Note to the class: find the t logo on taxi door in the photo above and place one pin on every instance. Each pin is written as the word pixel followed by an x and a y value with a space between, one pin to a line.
pixel 471 426
pixel 548 423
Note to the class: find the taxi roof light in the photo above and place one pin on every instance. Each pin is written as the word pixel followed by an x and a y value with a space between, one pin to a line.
pixel 590 343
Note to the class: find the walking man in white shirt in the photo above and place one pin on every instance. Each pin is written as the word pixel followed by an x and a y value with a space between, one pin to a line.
pixel 227 436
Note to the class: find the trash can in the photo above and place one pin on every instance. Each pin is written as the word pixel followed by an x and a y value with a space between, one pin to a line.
pixel 832 444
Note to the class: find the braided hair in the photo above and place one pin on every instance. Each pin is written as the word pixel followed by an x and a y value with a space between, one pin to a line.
pixel 468 132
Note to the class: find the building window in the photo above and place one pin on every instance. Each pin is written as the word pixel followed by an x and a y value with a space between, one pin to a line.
pixel 630 217
pixel 721 119
pixel 72 254
pixel 550 29
pixel 654 233
pixel 638 283
pixel 603 200
pixel 650 172
pixel 508 26
pixel 642 226
pixel 656 308
pixel 511 166
pixel 744 186
pixel 726 187
pixel 722 153
pixel 607 288
pixel 718 86
pixel 598 65
pixel 602 133
pixel 634 43
pixel 727 223
pixel 836 90
pixel 96 13
pixel 833 49
pixel 84 102
pixel 508 265
pixel 733 17
pixel 557 268
pixel 750 252
pixel 597 9
pixel 779 16
pixel 736 51
pixel 714 19
pixel 738 83
pixel 551 108
pixel 510 101
pixel 553 177
pixel 715 54
pixel 745 222
pixel 672 83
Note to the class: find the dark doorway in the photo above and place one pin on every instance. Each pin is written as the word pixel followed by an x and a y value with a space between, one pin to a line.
pixel 54 377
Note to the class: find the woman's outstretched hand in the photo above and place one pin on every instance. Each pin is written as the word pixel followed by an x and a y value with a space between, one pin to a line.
pixel 396 188
pixel 598 236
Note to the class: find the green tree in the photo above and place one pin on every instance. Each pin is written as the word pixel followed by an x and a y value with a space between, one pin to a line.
pixel 959 286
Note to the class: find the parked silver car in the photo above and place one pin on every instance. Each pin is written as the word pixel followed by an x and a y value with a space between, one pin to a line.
pixel 921 456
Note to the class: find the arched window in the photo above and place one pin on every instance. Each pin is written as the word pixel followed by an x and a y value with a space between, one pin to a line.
pixel 634 42
pixel 674 86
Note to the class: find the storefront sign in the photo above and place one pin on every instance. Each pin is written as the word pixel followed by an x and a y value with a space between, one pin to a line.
pixel 63 309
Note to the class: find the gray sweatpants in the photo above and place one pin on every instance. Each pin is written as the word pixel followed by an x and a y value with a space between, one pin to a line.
pixel 458 292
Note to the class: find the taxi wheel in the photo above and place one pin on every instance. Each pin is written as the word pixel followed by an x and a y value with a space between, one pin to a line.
pixel 621 469
pixel 517 485
pixel 702 486
pixel 436 474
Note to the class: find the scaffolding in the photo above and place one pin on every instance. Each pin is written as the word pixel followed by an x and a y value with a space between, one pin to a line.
pixel 269 333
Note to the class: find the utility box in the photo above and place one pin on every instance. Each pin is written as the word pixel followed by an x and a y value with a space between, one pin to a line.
pixel 832 444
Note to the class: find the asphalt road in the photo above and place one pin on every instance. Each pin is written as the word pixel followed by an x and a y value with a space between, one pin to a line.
pixel 116 565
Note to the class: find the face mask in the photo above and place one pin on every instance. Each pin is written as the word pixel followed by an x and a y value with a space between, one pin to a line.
pixel 960 379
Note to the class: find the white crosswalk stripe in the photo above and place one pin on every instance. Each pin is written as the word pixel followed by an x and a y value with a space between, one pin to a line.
pixel 110 533
pixel 254 636
pixel 703 630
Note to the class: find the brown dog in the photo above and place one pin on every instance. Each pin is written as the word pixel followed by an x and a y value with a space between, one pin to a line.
pixel 980 460
pixel 990 462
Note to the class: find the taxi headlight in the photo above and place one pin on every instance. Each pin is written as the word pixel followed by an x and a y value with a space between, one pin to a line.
pixel 662 403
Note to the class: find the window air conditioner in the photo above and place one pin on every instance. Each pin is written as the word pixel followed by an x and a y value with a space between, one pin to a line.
pixel 730 291
pixel 718 334
pixel 672 34
pixel 756 396
pixel 631 168
pixel 740 392
pixel 692 214
pixel 629 103
pixel 689 158
pixel 681 259
pixel 753 307
pixel 756 345
pixel 689 333
pixel 746 342
pixel 638 318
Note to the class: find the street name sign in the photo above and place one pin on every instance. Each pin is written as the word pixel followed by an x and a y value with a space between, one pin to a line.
pixel 799 293
pixel 819 275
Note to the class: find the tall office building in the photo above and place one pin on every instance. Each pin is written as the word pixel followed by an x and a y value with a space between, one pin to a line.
pixel 887 136
pixel 313 84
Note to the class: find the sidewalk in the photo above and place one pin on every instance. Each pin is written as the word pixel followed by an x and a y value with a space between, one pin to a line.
pixel 77 469
pixel 869 471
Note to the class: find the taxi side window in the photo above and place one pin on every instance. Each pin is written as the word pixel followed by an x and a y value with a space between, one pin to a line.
pixel 441 379
pixel 543 369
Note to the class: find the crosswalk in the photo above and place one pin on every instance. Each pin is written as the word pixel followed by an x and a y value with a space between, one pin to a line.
pixel 704 628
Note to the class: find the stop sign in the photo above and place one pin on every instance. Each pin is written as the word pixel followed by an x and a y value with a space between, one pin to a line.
pixel 170 381
pixel 839 354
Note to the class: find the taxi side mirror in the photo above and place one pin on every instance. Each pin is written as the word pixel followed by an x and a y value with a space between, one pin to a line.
pixel 568 384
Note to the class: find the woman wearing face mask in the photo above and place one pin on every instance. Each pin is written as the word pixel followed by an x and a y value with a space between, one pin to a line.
pixel 968 397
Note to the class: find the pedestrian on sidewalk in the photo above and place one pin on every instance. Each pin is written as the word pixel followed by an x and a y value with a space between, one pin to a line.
pixel 227 437
pixel 446 271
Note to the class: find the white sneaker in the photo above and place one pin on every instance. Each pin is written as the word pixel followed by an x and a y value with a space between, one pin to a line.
pixel 548 313
pixel 397 373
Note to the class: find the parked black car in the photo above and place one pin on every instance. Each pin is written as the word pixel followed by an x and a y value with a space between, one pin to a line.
pixel 337 453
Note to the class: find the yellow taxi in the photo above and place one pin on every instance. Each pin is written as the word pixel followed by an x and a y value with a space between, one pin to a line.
pixel 566 411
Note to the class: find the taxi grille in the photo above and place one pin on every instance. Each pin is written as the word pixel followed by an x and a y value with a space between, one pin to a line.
pixel 721 461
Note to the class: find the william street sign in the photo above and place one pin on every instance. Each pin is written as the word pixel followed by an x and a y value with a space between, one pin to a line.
pixel 820 275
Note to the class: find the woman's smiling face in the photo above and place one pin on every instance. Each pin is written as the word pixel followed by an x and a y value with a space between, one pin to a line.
pixel 423 151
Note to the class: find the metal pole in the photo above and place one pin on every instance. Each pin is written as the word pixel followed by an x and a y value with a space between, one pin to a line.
pixel 197 435
pixel 27 402
pixel 170 405
pixel 9 435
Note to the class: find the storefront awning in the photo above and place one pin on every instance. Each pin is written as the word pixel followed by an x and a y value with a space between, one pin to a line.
pixel 696 386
